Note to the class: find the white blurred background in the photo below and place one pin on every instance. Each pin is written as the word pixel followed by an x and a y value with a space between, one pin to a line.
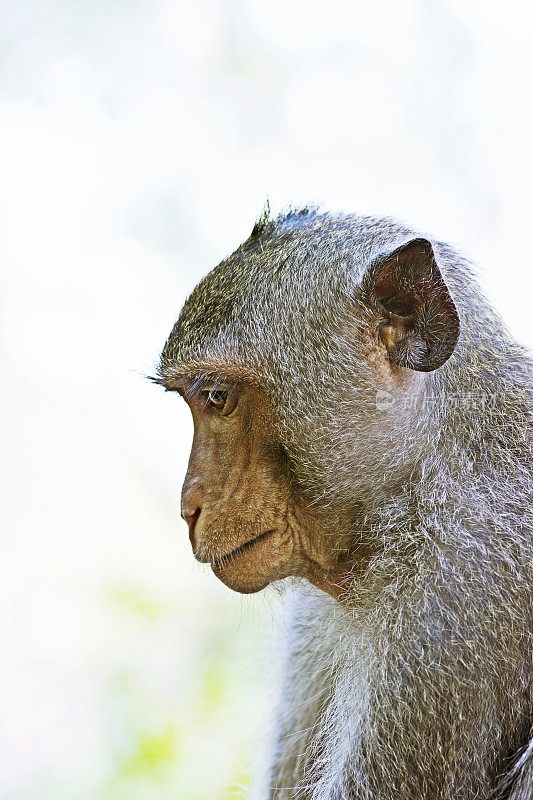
pixel 138 142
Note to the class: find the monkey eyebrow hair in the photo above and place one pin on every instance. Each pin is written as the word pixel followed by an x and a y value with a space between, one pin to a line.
pixel 188 385
pixel 195 374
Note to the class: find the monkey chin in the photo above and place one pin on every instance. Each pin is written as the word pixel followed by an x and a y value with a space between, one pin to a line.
pixel 241 580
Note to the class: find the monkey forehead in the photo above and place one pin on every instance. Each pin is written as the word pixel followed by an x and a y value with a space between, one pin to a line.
pixel 294 271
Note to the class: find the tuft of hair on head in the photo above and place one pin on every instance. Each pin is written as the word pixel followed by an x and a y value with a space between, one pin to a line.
pixel 262 222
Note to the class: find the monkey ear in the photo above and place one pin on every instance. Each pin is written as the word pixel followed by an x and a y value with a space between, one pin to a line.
pixel 420 324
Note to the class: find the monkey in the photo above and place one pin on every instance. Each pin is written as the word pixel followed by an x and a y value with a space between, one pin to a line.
pixel 362 440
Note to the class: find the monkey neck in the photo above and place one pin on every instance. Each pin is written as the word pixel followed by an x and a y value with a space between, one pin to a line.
pixel 338 582
pixel 340 571
pixel 337 551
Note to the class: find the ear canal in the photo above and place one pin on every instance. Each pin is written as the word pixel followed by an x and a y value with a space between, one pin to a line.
pixel 420 326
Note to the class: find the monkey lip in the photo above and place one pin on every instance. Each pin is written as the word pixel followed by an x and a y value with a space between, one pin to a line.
pixel 222 561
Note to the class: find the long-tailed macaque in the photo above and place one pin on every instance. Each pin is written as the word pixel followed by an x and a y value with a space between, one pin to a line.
pixel 362 429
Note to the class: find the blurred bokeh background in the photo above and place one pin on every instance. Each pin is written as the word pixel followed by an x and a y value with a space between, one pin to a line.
pixel 138 142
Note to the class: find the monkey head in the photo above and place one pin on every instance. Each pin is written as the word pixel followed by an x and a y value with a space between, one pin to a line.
pixel 303 358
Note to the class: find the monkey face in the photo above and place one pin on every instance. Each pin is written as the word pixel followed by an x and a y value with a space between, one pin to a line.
pixel 245 516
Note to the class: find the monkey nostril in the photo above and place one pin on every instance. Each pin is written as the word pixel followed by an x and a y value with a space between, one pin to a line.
pixel 191 517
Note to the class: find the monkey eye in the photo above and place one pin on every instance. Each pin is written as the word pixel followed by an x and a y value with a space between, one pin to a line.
pixel 222 399
pixel 216 398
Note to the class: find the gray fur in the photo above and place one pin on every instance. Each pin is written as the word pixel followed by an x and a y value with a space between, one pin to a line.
pixel 419 687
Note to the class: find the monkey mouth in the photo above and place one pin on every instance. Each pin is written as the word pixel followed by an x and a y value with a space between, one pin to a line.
pixel 223 561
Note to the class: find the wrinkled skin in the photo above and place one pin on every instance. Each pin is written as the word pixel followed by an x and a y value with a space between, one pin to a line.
pixel 245 515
